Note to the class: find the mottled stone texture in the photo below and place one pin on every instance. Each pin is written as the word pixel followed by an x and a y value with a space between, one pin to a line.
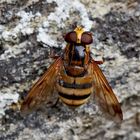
pixel 29 28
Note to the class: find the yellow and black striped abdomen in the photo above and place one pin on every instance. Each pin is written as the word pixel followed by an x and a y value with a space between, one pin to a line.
pixel 74 91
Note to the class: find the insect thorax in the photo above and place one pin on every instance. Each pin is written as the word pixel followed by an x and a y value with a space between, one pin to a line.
pixel 76 59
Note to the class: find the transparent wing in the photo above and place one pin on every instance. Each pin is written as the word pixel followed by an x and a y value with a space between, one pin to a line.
pixel 104 94
pixel 42 89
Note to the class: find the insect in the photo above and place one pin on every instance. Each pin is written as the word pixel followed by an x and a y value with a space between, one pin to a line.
pixel 76 77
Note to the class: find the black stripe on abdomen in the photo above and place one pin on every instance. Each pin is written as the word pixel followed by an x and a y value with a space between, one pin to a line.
pixel 74 97
pixel 72 93
pixel 76 86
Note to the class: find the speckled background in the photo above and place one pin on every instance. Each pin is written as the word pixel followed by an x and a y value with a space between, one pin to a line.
pixel 28 29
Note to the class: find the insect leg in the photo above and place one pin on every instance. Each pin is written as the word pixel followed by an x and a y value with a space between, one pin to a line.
pixel 99 62
pixel 55 104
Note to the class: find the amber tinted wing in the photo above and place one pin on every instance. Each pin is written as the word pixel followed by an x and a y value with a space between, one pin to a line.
pixel 104 94
pixel 42 89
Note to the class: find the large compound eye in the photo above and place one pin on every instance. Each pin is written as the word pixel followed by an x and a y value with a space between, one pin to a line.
pixel 86 38
pixel 71 37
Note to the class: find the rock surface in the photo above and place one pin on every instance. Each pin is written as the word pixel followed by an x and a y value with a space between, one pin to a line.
pixel 29 28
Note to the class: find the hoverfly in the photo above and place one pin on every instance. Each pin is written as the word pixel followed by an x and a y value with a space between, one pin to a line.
pixel 76 77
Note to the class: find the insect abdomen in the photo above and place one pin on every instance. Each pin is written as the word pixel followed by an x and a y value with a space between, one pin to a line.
pixel 74 91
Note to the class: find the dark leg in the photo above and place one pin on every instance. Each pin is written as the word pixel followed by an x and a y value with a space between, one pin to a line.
pixel 54 105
